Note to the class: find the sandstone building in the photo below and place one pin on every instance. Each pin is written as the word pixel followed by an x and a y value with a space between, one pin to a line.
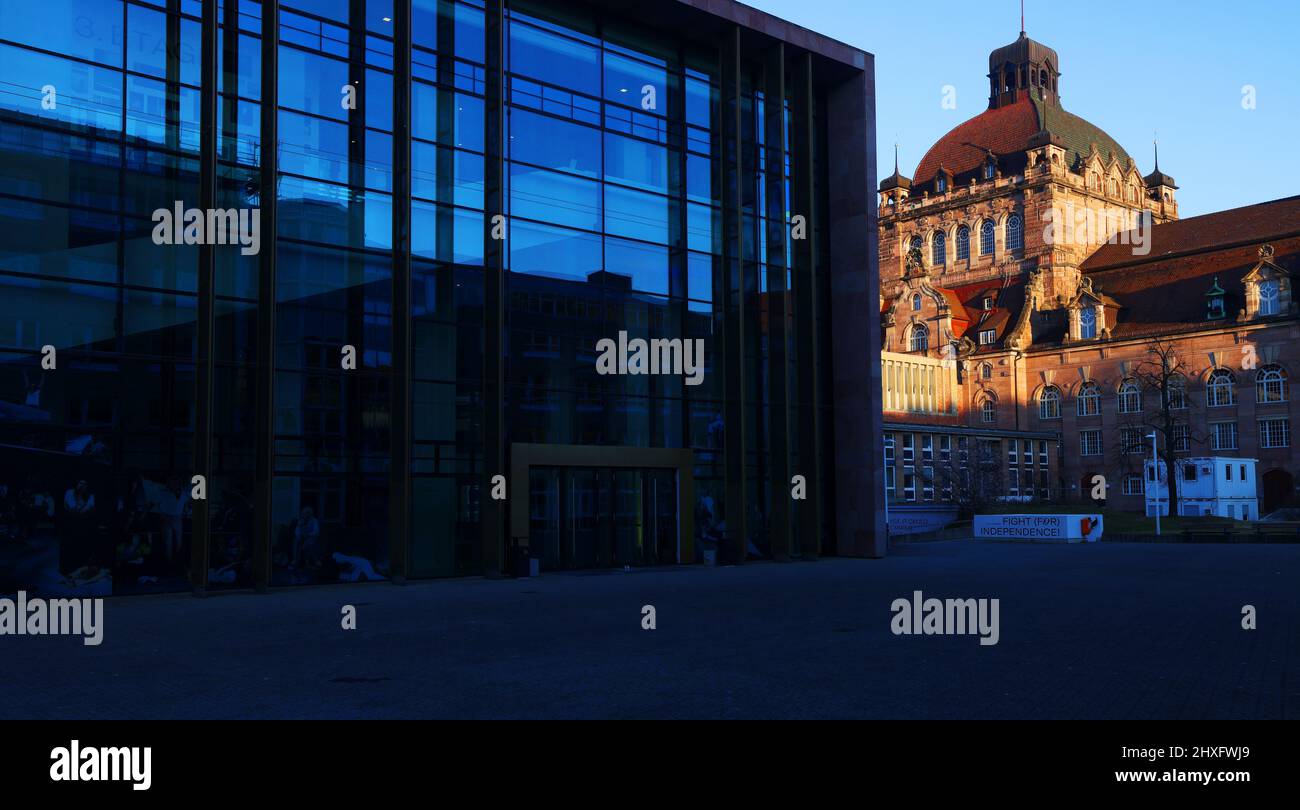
pixel 1032 278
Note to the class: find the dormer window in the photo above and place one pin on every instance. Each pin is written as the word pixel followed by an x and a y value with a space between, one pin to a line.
pixel 1214 304
pixel 1087 324
pixel 1269 297
pixel 990 169
pixel 988 303
pixel 941 184
pixel 1268 287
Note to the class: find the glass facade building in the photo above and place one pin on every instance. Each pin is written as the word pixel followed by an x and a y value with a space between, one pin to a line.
pixel 318 290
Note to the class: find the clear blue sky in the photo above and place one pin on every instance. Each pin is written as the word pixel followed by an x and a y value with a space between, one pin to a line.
pixel 1176 67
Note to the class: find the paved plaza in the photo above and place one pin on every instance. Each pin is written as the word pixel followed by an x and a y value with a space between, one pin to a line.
pixel 1086 631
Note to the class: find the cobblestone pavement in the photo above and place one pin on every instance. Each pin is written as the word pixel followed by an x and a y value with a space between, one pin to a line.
pixel 1087 631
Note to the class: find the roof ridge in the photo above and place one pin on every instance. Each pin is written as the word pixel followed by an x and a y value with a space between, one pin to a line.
pixel 1221 247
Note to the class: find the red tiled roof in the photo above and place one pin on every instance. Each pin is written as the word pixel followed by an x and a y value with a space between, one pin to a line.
pixel 1250 225
pixel 1168 295
pixel 1164 291
pixel 973 319
pixel 1002 130
pixel 1006 131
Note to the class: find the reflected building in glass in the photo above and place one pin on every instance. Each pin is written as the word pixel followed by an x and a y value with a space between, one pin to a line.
pixel 392 371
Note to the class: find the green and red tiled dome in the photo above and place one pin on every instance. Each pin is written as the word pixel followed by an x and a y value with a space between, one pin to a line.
pixel 1023 104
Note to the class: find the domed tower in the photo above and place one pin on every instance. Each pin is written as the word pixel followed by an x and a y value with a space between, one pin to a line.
pixel 1024 186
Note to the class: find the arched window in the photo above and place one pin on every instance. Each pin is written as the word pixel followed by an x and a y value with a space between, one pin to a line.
pixel 939 249
pixel 1219 389
pixel 1049 403
pixel 1015 233
pixel 919 340
pixel 963 243
pixel 989 409
pixel 986 238
pixel 914 244
pixel 916 302
pixel 1269 299
pixel 1130 397
pixel 986 371
pixel 1270 385
pixel 1087 323
pixel 1089 402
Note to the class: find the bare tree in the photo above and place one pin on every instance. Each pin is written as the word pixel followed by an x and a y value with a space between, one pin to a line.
pixel 972 479
pixel 1164 373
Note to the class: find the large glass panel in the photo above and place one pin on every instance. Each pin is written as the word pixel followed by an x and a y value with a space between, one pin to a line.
pixel 553 197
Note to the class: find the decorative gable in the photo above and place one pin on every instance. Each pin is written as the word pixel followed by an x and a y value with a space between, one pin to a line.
pixel 1268 288
pixel 1087 312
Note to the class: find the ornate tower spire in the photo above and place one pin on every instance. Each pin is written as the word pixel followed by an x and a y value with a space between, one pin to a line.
pixel 1021 68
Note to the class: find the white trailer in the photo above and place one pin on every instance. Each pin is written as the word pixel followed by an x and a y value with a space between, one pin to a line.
pixel 1210 485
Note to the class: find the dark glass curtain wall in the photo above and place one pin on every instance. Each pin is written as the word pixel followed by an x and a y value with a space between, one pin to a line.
pixel 336 389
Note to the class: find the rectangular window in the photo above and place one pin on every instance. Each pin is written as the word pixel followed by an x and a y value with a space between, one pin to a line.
pixel 1182 439
pixel 963 450
pixel 1133 485
pixel 988 337
pixel 1090 442
pixel 909 451
pixel 1130 440
pixel 1223 436
pixel 909 484
pixel 1042 454
pixel 927 483
pixel 891 479
pixel 1243 472
pixel 927 448
pixel 1013 483
pixel 1012 457
pixel 889 448
pixel 945 448
pixel 1177 395
pixel 1227 472
pixel 1027 452
pixel 1274 433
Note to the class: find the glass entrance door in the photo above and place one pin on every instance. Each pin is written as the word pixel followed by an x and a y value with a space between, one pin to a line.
pixel 585 517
